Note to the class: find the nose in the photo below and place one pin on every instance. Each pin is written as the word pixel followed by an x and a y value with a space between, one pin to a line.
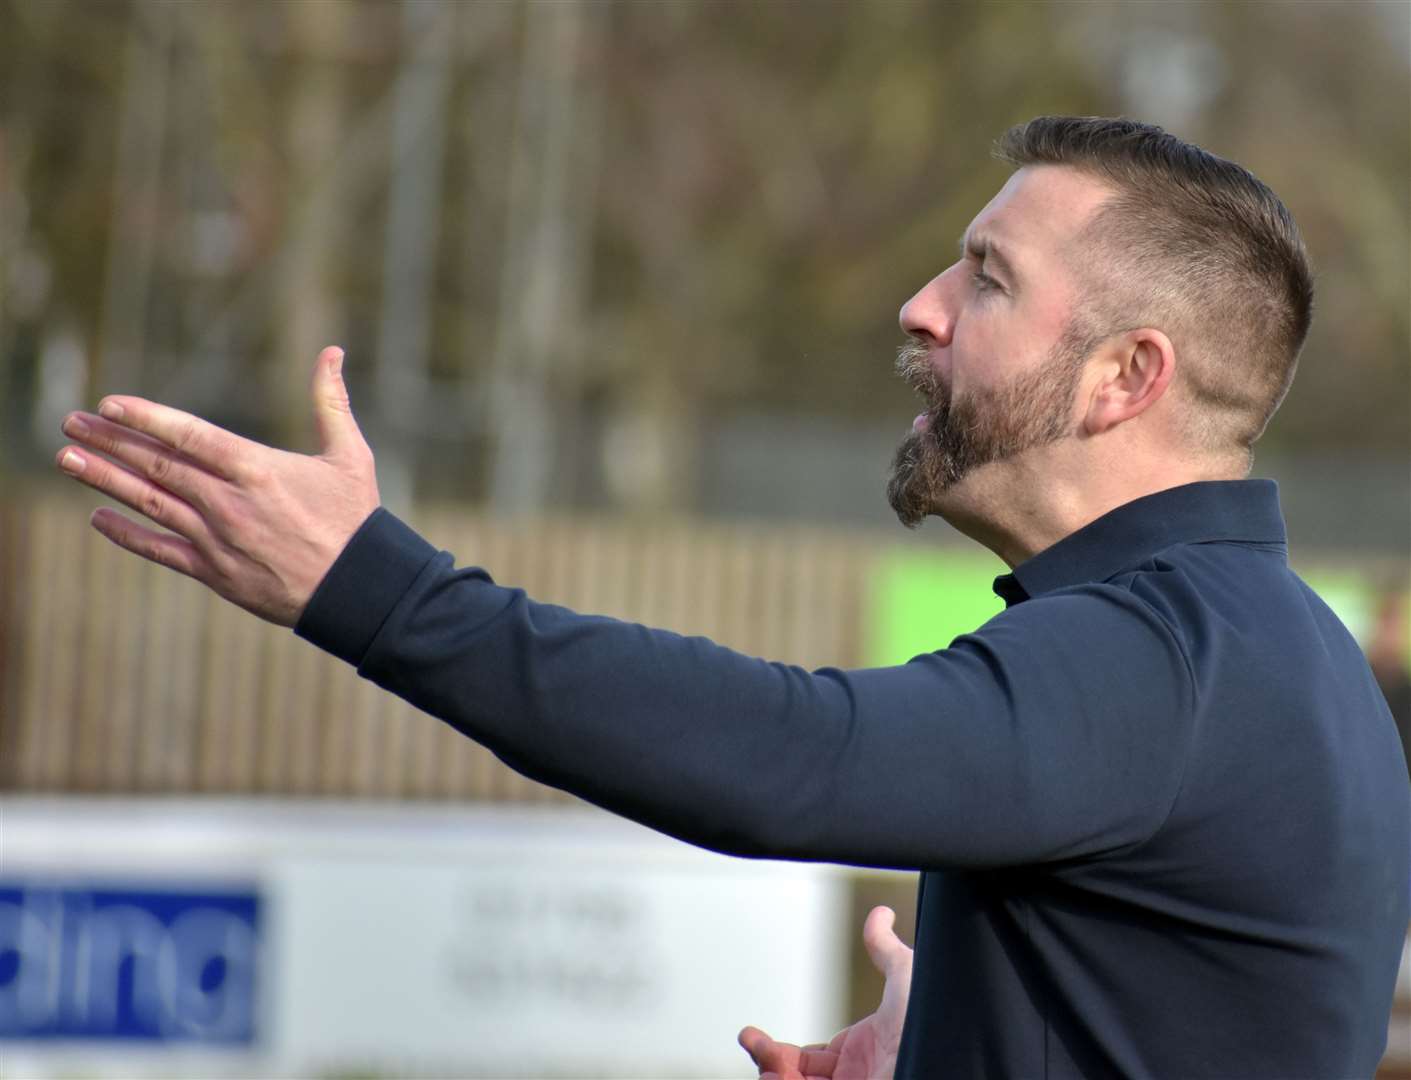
pixel 930 313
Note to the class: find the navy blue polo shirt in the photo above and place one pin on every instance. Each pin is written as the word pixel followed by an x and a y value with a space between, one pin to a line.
pixel 1158 803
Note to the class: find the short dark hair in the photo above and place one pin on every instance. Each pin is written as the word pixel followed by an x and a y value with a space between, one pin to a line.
pixel 1197 247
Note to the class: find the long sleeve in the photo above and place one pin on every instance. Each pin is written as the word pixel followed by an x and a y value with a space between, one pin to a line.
pixel 1057 730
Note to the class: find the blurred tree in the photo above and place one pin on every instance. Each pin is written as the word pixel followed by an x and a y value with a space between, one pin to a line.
pixel 649 218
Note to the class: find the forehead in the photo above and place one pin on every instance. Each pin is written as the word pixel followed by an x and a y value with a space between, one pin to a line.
pixel 1040 211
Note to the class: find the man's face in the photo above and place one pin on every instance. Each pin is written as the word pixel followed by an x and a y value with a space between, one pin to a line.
pixel 994 347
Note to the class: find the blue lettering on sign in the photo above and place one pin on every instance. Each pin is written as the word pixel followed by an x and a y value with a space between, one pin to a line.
pixel 138 963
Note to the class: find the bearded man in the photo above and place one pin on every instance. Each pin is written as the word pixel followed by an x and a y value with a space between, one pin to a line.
pixel 1158 803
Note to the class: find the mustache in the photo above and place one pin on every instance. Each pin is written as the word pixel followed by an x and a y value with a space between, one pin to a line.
pixel 913 366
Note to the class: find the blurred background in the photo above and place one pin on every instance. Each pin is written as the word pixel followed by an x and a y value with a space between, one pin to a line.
pixel 618 286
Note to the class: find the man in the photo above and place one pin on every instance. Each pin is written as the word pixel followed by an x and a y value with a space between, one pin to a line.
pixel 1158 802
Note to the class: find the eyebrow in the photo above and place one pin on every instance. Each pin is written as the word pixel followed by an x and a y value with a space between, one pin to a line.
pixel 986 250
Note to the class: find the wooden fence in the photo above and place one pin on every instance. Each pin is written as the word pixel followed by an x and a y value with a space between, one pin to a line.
pixel 117 676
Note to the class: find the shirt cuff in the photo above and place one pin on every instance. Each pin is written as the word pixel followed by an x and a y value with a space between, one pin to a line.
pixel 363 585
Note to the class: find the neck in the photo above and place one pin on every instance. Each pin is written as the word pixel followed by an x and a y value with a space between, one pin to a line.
pixel 1017 510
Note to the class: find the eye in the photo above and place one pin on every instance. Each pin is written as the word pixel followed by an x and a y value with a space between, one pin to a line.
pixel 983 282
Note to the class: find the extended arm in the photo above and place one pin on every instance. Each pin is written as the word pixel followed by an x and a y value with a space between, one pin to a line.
pixel 1007 747
pixel 1051 732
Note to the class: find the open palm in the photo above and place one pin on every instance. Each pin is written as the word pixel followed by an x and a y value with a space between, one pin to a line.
pixel 866 1050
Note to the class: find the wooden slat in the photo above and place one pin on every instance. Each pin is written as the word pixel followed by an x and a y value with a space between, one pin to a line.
pixel 92 730
pixel 60 552
pixel 170 674
pixel 130 579
pixel 14 606
pixel 25 668
pixel 309 676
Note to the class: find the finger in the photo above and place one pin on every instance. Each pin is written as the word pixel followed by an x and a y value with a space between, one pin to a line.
pixel 144 457
pixel 333 412
pixel 769 1056
pixel 883 946
pixel 748 1039
pixel 163 549
pixel 164 508
pixel 213 448
pixel 819 1063
pixel 755 1043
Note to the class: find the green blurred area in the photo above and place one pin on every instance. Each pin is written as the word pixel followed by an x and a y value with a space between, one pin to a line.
pixel 918 602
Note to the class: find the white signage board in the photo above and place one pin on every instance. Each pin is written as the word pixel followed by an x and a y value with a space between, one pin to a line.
pixel 244 938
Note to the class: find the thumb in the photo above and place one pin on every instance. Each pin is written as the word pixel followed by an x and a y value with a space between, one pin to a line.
pixel 338 432
pixel 774 1060
pixel 887 950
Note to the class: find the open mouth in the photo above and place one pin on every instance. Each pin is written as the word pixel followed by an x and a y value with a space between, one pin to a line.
pixel 914 368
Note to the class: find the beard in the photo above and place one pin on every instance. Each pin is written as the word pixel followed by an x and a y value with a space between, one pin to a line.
pixel 991 424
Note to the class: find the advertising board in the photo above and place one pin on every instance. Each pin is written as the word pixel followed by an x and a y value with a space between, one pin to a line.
pixel 243 938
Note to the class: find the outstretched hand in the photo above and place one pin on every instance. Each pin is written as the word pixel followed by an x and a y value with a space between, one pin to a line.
pixel 259 526
pixel 868 1049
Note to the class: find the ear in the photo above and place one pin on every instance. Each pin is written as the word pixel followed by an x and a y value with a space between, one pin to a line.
pixel 1135 372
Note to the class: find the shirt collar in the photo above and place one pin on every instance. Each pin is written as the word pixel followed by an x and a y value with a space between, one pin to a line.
pixel 1240 510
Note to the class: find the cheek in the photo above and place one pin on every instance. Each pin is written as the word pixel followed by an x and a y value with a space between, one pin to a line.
pixel 982 353
pixel 1000 341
